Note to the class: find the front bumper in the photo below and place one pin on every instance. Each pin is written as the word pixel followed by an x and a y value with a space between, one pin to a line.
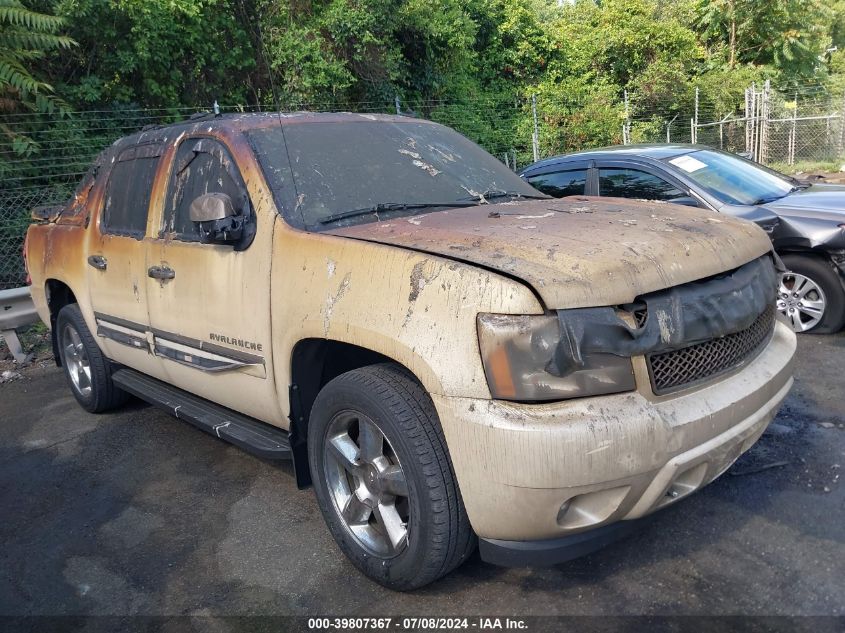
pixel 548 471
pixel 555 551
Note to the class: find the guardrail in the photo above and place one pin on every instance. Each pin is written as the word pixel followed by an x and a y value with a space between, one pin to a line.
pixel 16 310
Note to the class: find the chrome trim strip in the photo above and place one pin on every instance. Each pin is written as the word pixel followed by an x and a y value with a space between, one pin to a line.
pixel 175 347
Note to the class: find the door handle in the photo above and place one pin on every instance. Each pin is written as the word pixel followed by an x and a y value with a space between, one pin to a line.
pixel 97 261
pixel 161 272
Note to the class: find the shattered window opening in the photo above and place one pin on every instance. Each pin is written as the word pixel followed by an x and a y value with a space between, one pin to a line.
pixel 200 167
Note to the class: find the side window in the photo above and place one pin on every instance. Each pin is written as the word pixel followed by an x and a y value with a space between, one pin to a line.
pixel 632 183
pixel 128 191
pixel 562 183
pixel 201 166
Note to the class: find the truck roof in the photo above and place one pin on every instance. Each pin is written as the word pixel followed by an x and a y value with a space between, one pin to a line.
pixel 246 121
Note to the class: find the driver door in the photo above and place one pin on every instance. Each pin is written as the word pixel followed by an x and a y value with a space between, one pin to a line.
pixel 209 303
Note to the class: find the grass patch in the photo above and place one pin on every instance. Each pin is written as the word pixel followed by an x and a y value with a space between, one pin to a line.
pixel 35 339
pixel 809 166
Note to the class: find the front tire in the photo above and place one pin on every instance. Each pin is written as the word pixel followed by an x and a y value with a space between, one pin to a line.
pixel 811 295
pixel 87 371
pixel 383 478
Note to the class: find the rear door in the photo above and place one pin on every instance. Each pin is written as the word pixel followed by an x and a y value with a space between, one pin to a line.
pixel 209 303
pixel 116 271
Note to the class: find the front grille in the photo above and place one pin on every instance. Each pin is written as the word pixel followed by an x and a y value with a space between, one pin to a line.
pixel 681 368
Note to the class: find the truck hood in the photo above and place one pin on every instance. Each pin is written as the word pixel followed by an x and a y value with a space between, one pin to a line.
pixel 579 252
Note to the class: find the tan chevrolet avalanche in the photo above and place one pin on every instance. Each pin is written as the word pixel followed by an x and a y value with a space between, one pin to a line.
pixel 450 358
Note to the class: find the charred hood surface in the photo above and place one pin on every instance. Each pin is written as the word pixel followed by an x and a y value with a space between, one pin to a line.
pixel 580 252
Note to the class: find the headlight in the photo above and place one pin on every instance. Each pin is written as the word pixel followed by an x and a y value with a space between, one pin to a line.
pixel 517 352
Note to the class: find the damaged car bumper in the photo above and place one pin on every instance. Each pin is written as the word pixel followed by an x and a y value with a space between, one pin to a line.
pixel 543 483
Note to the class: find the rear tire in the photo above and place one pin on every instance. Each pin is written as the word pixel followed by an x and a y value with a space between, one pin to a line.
pixel 88 372
pixel 825 289
pixel 383 478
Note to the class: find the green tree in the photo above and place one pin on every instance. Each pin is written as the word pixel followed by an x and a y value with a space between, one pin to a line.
pixel 791 35
pixel 26 36
pixel 158 54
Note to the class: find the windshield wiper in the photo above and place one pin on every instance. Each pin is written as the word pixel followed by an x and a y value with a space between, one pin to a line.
pixel 392 206
pixel 498 193
pixel 767 200
pixel 760 201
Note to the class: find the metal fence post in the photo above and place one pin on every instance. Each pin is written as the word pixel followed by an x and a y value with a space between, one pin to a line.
pixel 626 126
pixel 669 127
pixel 764 135
pixel 756 101
pixel 694 138
pixel 535 137
pixel 841 145
pixel 747 121
pixel 792 134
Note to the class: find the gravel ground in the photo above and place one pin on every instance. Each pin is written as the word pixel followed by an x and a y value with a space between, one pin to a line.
pixel 135 512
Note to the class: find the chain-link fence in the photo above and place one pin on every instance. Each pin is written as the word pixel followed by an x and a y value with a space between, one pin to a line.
pixel 47 155
pixel 50 154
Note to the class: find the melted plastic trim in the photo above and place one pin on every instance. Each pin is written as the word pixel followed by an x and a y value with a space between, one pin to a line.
pixel 676 317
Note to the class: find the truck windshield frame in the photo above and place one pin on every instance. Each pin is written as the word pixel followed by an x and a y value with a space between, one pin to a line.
pixel 319 170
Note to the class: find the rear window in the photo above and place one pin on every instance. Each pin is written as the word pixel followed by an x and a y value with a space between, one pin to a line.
pixel 561 183
pixel 128 191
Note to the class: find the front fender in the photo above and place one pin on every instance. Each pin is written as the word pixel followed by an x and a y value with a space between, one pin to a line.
pixel 417 309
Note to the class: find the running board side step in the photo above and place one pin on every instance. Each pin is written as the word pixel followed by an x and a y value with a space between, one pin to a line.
pixel 259 438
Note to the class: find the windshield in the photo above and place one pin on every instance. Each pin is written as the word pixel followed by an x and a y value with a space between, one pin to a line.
pixel 350 171
pixel 732 179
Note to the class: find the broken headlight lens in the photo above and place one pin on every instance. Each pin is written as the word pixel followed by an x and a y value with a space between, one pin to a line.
pixel 518 352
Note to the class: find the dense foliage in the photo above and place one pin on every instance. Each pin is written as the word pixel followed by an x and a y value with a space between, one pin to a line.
pixel 181 52
pixel 76 74
pixel 578 56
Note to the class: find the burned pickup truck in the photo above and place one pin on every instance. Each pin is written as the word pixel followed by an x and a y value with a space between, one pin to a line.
pixel 449 357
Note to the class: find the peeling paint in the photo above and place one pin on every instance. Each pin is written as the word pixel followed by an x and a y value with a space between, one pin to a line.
pixel 535 217
pixel 664 322
pixel 332 300
pixel 426 167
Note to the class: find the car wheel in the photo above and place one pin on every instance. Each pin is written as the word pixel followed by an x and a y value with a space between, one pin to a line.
pixel 811 295
pixel 383 478
pixel 87 371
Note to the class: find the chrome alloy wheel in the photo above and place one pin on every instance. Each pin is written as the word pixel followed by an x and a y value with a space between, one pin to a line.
pixel 367 484
pixel 801 301
pixel 76 360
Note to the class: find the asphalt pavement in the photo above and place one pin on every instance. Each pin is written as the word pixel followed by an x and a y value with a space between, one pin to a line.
pixel 137 513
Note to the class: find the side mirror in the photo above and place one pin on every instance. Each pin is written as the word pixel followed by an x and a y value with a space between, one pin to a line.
pixel 219 222
pixel 687 201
